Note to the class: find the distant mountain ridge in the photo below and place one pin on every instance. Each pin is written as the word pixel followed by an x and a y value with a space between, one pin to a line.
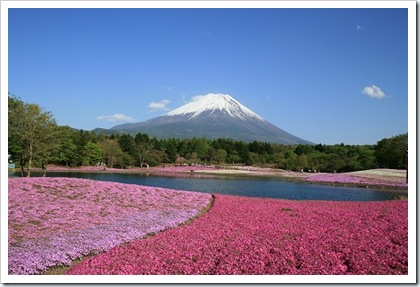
pixel 212 116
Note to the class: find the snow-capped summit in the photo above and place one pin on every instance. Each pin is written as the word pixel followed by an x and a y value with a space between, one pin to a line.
pixel 214 102
pixel 212 116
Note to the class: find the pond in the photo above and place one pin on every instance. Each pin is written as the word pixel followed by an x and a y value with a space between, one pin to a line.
pixel 254 187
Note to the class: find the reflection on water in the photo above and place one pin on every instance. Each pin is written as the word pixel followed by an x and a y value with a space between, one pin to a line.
pixel 255 187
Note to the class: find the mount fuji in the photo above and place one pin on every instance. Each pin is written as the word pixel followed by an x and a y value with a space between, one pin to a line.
pixel 212 116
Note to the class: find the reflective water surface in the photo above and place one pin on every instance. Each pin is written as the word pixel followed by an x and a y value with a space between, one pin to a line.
pixel 254 187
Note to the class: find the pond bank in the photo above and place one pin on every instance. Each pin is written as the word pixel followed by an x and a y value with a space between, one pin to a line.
pixel 374 178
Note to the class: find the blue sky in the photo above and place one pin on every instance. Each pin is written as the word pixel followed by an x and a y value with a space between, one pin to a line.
pixel 326 75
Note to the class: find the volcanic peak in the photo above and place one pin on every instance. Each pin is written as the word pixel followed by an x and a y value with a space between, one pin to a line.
pixel 214 102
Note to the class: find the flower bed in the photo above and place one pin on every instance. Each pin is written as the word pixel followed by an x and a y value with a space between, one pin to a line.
pixel 55 220
pixel 354 180
pixel 241 235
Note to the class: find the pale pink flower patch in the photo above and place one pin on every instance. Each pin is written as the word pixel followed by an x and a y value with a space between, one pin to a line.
pixel 55 220
pixel 348 179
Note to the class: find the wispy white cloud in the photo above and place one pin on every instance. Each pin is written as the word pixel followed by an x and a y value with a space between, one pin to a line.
pixel 116 118
pixel 157 106
pixel 184 98
pixel 374 92
pixel 197 98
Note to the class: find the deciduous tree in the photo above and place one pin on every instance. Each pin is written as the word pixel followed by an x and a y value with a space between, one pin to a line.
pixel 390 152
pixel 142 147
pixel 31 132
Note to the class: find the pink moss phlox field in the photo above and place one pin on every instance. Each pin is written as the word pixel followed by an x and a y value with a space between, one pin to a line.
pixel 241 235
pixel 181 168
pixel 348 179
pixel 55 220
pixel 166 168
pixel 93 168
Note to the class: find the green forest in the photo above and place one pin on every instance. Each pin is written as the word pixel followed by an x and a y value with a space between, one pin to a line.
pixel 36 140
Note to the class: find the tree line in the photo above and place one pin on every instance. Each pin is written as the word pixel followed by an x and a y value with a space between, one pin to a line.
pixel 35 140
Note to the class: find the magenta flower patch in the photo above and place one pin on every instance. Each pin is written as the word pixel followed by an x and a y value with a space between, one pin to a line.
pixel 241 235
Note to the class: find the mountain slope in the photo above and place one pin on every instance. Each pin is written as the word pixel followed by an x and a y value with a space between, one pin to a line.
pixel 212 116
